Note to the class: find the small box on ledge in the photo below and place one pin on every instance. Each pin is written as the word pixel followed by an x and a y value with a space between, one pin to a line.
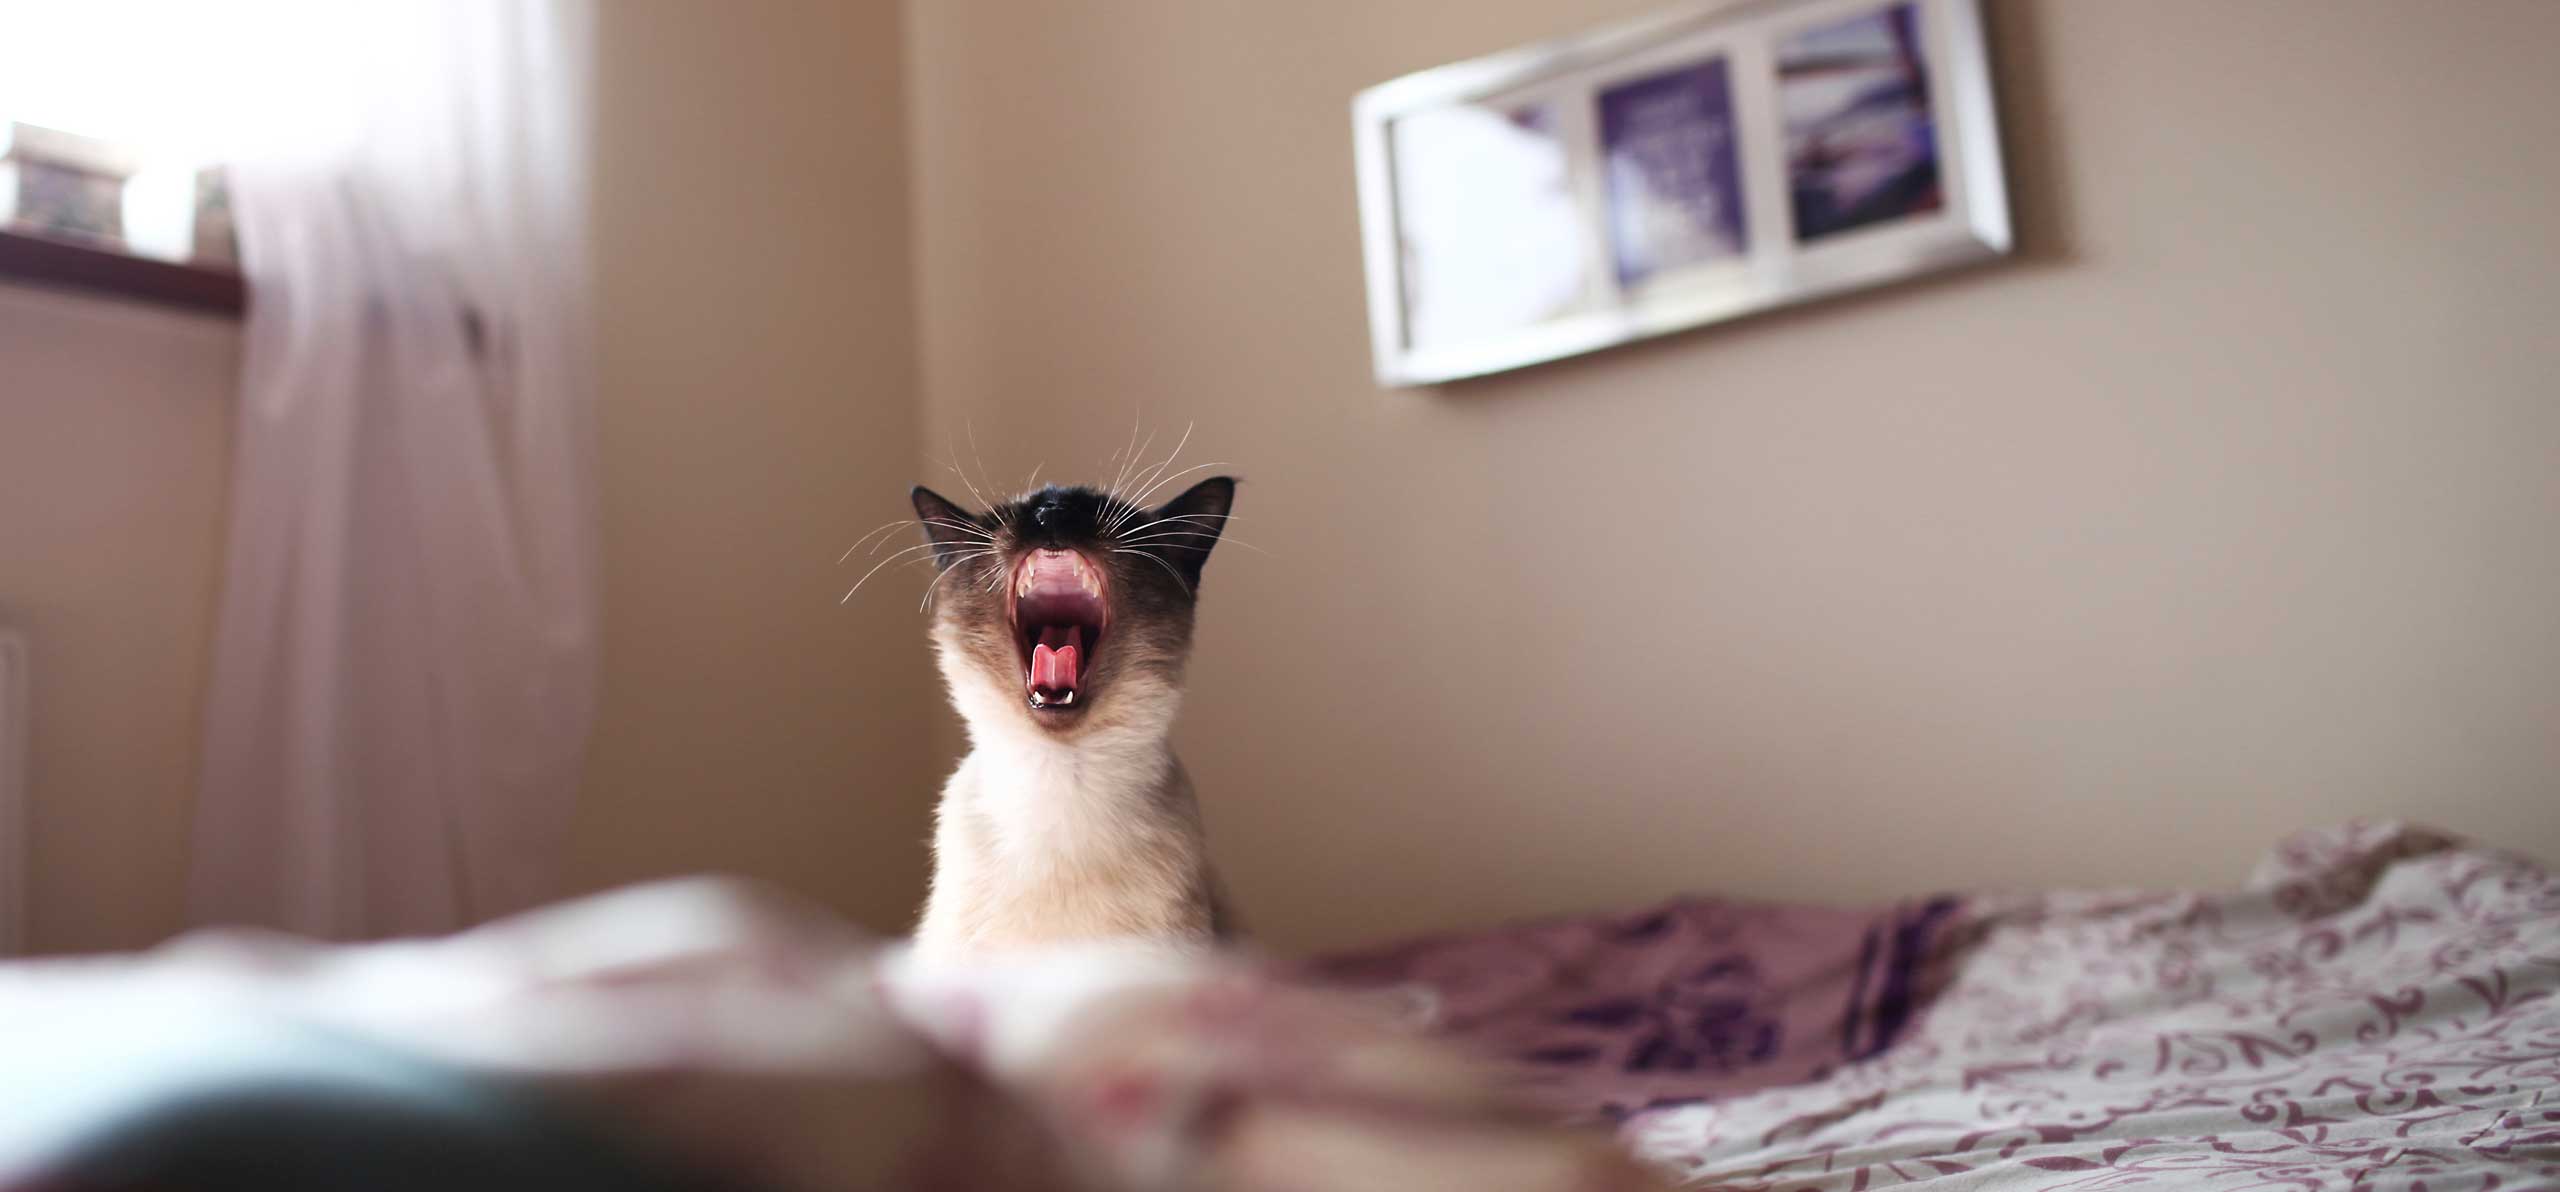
pixel 60 184
pixel 81 213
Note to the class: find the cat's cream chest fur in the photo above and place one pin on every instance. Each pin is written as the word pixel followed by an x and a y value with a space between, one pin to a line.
pixel 1040 841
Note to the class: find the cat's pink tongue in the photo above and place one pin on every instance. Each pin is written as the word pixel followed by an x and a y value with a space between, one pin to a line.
pixel 1053 667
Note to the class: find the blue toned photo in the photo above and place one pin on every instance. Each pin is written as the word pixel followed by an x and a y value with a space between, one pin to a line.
pixel 1675 184
pixel 1861 145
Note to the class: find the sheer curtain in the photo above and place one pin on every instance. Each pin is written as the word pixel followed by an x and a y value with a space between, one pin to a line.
pixel 403 668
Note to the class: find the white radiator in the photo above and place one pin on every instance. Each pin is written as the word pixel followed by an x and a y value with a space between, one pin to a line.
pixel 13 793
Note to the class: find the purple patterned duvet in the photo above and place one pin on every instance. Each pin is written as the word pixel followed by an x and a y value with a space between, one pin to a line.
pixel 2374 1010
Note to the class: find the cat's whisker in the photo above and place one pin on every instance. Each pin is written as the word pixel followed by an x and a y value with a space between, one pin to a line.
pixel 1136 506
pixel 857 543
pixel 1168 523
pixel 1212 539
pixel 1108 487
pixel 1135 421
pixel 909 550
pixel 866 576
pixel 1131 507
pixel 966 556
pixel 935 587
pixel 983 538
pixel 1168 567
pixel 1141 498
pixel 952 465
pixel 1174 534
pixel 971 426
pixel 997 572
pixel 1129 466
pixel 875 568
pixel 1150 490
pixel 1138 460
pixel 964 527
pixel 1158 470
pixel 1202 519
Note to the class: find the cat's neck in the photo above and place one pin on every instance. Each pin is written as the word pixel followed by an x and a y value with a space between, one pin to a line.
pixel 1024 773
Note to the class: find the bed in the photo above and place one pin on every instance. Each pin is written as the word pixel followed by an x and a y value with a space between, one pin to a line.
pixel 2372 1010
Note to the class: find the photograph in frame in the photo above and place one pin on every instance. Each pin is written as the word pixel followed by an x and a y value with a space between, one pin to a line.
pixel 1861 138
pixel 1489 229
pixel 1671 159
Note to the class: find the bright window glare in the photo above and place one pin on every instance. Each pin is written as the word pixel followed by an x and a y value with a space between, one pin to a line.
pixel 179 81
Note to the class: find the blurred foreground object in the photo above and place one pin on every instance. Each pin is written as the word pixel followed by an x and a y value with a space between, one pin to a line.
pixel 704 1034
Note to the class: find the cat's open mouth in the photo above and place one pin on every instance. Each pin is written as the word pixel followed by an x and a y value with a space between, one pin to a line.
pixel 1059 619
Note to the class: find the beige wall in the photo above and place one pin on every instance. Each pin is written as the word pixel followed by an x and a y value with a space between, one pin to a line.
pixel 759 411
pixel 115 444
pixel 2230 508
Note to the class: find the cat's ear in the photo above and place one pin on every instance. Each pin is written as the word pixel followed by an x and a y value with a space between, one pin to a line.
pixel 1184 528
pixel 951 530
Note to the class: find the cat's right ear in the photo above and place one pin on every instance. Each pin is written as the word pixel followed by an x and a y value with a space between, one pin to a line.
pixel 951 530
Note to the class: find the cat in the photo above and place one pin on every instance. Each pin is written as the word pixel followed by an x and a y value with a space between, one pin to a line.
pixel 1062 622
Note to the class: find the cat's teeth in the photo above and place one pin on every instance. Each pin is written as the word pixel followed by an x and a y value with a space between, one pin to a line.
pixel 1022 587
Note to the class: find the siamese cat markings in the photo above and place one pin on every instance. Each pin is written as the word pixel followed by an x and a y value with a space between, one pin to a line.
pixel 1062 620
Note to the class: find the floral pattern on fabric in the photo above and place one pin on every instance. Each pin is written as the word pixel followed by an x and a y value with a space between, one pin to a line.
pixel 1609 1017
pixel 2374 1011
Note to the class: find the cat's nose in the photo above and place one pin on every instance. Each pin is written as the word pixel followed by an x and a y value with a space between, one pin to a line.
pixel 1045 513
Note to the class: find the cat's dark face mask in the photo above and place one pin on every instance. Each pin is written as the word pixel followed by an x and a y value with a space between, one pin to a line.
pixel 1076 596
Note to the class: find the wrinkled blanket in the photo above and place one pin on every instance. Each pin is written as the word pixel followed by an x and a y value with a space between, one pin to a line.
pixel 2373 1011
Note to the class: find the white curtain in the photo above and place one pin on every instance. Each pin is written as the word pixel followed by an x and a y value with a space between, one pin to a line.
pixel 404 662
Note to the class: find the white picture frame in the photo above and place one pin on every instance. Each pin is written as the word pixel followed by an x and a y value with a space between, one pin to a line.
pixel 1694 166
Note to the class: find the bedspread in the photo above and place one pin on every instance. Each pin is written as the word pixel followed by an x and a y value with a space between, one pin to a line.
pixel 2373 1010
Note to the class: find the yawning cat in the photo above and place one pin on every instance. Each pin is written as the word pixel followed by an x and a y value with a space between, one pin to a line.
pixel 1063 620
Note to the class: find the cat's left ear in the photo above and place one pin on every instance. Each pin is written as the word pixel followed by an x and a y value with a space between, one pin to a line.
pixel 947 526
pixel 1183 529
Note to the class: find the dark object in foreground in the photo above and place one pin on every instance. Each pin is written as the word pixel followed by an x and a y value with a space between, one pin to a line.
pixel 287 1109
